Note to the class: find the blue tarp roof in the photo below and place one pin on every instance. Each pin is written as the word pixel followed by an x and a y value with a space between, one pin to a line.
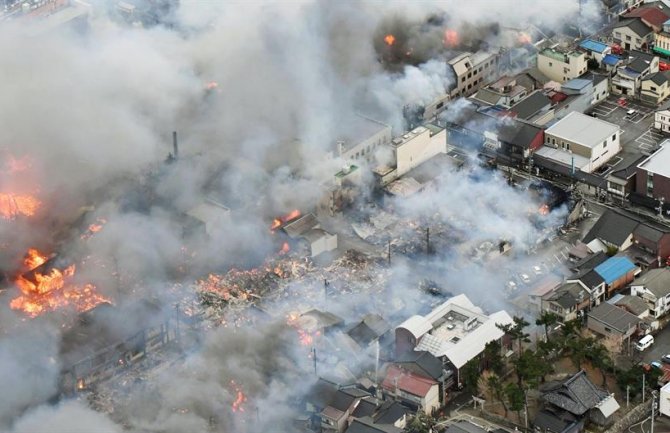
pixel 611 59
pixel 592 45
pixel 614 268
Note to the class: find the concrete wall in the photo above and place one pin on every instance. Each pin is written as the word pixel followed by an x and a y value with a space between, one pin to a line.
pixel 598 155
pixel 660 188
pixel 325 243
pixel 560 71
pixel 432 400
pixel 600 92
pixel 653 93
pixel 365 149
pixel 662 121
pixel 419 149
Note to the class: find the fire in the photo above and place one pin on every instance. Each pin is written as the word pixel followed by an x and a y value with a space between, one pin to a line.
pixel 389 39
pixel 16 165
pixel 277 222
pixel 42 292
pixel 305 337
pixel 543 210
pixel 285 248
pixel 34 259
pixel 94 228
pixel 212 85
pixel 524 38
pixel 240 398
pixel 13 205
pixel 451 38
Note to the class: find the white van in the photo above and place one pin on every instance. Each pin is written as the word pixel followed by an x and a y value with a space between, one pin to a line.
pixel 644 342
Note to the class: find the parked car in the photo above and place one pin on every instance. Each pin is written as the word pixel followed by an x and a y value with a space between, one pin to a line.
pixel 630 112
pixel 525 278
pixel 666 358
pixel 537 270
pixel 656 364
pixel 644 342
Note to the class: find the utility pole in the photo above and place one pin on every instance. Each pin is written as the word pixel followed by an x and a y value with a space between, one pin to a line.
pixel 643 387
pixel 627 394
pixel 314 357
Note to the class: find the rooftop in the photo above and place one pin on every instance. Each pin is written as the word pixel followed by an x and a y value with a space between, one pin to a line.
pixel 614 268
pixel 658 162
pixel 456 329
pixel 591 45
pixel 633 304
pixel 657 281
pixel 614 317
pixel 577 395
pixel 636 25
pixel 531 105
pixel 404 380
pixel 561 56
pixel 585 130
pixel 650 15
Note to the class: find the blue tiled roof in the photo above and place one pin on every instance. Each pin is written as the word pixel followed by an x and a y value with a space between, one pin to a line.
pixel 611 59
pixel 592 45
pixel 614 268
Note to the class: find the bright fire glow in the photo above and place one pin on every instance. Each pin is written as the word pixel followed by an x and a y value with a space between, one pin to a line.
pixel 389 39
pixel 277 222
pixel 524 38
pixel 13 205
pixel 42 292
pixel 285 248
pixel 451 38
pixel 240 398
pixel 305 337
pixel 543 210
pixel 211 85
pixel 94 228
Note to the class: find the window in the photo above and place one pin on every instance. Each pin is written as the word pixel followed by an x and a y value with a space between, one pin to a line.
pixel 565 70
pixel 652 88
pixel 614 137
pixel 605 143
pixel 469 74
pixel 551 64
pixel 628 38
pixel 469 86
pixel 607 329
pixel 638 40
pixel 650 184
pixel 617 35
pixel 567 146
pixel 440 105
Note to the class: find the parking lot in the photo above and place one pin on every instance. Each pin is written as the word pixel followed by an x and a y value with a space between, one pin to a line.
pixel 637 135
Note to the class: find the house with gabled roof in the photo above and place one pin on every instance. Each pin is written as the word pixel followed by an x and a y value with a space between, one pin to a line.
pixel 578 396
pixel 632 34
pixel 614 324
pixel 415 391
pixel 654 288
pixel 655 88
pixel 568 300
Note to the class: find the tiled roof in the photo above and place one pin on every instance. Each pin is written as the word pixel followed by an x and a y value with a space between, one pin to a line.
pixel 576 395
pixel 407 381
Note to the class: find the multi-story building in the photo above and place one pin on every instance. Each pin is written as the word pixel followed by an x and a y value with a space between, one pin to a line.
pixel 662 118
pixel 628 79
pixel 653 174
pixel 591 142
pixel 632 34
pixel 504 92
pixel 654 288
pixel 655 87
pixel 561 65
pixel 662 40
pixel 472 71
pixel 363 138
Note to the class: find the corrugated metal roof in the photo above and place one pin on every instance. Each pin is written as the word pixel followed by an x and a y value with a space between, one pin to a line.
pixel 614 268
pixel 592 45
pixel 611 59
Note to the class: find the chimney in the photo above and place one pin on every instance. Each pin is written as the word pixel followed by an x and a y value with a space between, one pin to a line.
pixel 174 145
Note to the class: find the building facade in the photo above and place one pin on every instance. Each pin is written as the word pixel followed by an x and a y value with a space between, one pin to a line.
pixel 473 71
pixel 653 174
pixel 561 66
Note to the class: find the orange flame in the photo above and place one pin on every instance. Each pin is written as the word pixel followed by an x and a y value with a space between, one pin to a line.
pixel 34 259
pixel 240 398
pixel 285 248
pixel 543 210
pixel 13 205
pixel 451 38
pixel 94 228
pixel 389 39
pixel 524 38
pixel 50 291
pixel 277 222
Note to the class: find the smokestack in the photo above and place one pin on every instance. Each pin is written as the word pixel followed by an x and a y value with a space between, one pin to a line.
pixel 174 145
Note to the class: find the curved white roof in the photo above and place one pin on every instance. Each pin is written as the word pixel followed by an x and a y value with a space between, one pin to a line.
pixel 417 325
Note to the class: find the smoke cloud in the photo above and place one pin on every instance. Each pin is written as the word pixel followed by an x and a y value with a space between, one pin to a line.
pixel 93 112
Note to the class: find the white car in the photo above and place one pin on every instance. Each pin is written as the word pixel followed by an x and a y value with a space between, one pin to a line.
pixel 630 112
pixel 525 278
pixel 537 270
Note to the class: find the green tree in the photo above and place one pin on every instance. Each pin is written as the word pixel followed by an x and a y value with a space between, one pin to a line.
pixel 420 423
pixel 493 359
pixel 599 357
pixel 516 331
pixel 496 387
pixel 547 319
pixel 470 375
pixel 579 349
pixel 531 369
pixel 516 398
pixel 632 378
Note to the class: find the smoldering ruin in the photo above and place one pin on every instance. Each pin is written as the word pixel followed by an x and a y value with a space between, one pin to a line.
pixel 203 280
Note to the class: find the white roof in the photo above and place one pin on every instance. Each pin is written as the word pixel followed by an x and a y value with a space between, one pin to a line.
pixel 659 162
pixel 596 246
pixel 582 129
pixel 469 344
pixel 564 157
pixel 608 406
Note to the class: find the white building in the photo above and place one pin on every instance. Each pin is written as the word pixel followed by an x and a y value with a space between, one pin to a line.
pixel 308 230
pixel 589 141
pixel 456 331
pixel 662 118
pixel 362 139
pixel 418 146
pixel 664 400
pixel 472 71
pixel 654 288
pixel 561 65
